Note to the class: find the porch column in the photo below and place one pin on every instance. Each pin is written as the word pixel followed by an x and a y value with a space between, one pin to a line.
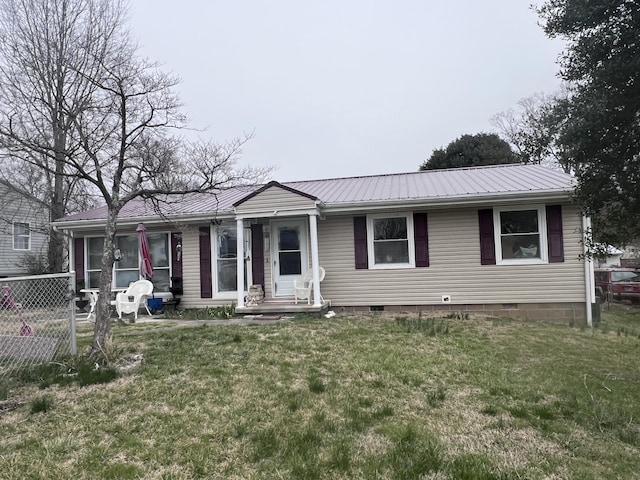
pixel 240 260
pixel 313 231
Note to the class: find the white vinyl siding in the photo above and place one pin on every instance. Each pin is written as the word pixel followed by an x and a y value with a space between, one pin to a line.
pixel 455 268
pixel 274 201
pixel 25 210
pixel 191 270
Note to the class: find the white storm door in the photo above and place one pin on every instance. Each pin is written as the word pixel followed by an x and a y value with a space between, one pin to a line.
pixel 289 255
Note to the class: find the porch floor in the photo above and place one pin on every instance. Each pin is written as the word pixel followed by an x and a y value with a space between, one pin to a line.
pixel 282 305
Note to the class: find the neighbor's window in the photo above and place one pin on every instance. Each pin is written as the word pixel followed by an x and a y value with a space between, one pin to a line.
pixel 389 241
pixel 520 237
pixel 21 236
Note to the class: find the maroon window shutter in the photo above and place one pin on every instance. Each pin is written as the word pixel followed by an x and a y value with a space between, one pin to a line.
pixel 78 262
pixel 421 238
pixel 176 254
pixel 205 263
pixel 257 255
pixel 554 234
pixel 360 242
pixel 78 257
pixel 487 240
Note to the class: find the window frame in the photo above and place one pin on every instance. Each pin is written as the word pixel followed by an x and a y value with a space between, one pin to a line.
pixel 542 233
pixel 215 249
pixel 16 236
pixel 371 242
pixel 88 270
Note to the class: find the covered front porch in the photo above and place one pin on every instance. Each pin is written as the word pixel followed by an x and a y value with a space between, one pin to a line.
pixel 281 251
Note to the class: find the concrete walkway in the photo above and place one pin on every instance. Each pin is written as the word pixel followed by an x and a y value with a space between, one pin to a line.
pixel 199 323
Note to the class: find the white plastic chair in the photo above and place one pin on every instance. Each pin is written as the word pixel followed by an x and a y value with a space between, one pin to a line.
pixel 303 288
pixel 130 300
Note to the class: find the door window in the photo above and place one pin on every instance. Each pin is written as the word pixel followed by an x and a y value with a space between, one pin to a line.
pixel 289 254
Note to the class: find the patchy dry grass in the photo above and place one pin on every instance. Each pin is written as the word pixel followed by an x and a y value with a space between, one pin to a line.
pixel 345 398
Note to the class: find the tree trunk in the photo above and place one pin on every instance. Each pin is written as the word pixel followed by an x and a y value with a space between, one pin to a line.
pixel 57 205
pixel 103 308
pixel 56 239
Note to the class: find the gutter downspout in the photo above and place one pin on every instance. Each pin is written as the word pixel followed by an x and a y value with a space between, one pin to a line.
pixel 588 272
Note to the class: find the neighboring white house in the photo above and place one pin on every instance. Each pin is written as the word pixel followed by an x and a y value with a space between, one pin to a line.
pixel 631 255
pixel 502 240
pixel 612 259
pixel 24 222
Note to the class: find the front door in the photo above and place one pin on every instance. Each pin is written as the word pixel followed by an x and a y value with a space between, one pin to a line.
pixel 289 254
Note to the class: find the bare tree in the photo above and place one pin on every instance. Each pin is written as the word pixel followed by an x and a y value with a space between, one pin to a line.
pixel 533 129
pixel 49 51
pixel 118 120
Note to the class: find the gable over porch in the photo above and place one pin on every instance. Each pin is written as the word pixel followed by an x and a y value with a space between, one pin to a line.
pixel 283 224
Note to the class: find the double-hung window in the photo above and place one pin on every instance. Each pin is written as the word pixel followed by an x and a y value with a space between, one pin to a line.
pixel 520 235
pixel 21 236
pixel 390 238
pixel 226 263
pixel 226 255
pixel 94 261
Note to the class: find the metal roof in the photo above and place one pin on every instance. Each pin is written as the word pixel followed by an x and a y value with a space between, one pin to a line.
pixel 432 184
pixel 464 184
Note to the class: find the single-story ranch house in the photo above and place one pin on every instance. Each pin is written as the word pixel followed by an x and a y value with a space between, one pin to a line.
pixel 503 240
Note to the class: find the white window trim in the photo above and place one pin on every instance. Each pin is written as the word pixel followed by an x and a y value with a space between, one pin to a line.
pixel 410 241
pixel 13 237
pixel 542 231
pixel 231 294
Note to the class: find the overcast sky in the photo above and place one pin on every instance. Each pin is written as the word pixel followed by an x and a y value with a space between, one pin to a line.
pixel 345 88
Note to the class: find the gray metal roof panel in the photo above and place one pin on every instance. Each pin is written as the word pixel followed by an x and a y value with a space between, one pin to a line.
pixel 432 184
pixel 413 186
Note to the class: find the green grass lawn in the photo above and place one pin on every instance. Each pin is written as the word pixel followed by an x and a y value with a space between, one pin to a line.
pixel 344 398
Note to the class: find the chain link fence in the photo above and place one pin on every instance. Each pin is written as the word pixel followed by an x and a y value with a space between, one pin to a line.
pixel 37 321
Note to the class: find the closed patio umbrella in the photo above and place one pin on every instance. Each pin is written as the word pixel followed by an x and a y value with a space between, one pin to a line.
pixel 146 268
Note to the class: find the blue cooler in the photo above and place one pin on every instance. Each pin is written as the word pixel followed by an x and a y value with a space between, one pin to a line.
pixel 154 304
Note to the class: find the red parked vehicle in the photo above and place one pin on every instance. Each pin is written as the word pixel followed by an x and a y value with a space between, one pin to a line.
pixel 618 283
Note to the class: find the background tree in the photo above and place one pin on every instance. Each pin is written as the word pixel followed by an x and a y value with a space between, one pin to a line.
pixel 49 50
pixel 471 151
pixel 114 113
pixel 601 133
pixel 533 130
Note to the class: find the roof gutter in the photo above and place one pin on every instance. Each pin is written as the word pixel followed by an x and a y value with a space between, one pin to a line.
pixel 149 220
pixel 325 208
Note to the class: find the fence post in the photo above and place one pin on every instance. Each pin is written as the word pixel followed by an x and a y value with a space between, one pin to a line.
pixel 73 346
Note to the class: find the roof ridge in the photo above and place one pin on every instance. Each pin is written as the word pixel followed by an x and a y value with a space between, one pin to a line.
pixel 417 172
pixel 23 192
